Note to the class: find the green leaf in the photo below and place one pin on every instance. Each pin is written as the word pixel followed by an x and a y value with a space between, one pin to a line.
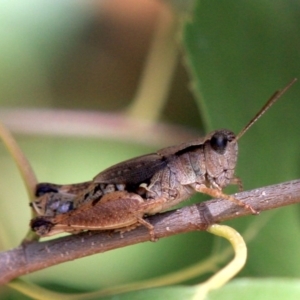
pixel 239 53
pixel 174 293
pixel 259 289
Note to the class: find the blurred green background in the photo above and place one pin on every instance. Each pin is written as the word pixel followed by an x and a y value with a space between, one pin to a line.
pixel 88 56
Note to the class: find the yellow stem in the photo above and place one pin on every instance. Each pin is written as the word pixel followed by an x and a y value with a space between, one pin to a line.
pixel 231 269
pixel 24 167
pixel 158 72
pixel 21 161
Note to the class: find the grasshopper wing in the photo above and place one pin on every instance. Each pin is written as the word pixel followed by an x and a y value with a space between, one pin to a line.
pixel 141 168
pixel 177 149
pixel 132 171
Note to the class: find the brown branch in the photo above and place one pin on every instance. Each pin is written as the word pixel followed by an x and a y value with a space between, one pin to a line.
pixel 34 256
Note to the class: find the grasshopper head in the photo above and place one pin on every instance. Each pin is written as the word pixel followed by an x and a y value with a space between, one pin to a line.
pixel 220 151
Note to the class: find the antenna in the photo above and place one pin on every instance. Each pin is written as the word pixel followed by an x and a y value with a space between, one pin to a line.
pixel 269 103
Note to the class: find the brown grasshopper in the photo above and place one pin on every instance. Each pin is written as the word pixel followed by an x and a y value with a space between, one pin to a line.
pixel 152 183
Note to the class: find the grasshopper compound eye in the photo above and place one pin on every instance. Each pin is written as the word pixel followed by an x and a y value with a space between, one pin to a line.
pixel 220 139
pixel 219 142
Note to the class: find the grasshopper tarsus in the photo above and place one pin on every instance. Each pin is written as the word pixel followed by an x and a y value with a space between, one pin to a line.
pixel 215 193
pixel 253 211
pixel 150 228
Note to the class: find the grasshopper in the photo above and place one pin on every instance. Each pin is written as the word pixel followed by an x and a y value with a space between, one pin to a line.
pixel 120 196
